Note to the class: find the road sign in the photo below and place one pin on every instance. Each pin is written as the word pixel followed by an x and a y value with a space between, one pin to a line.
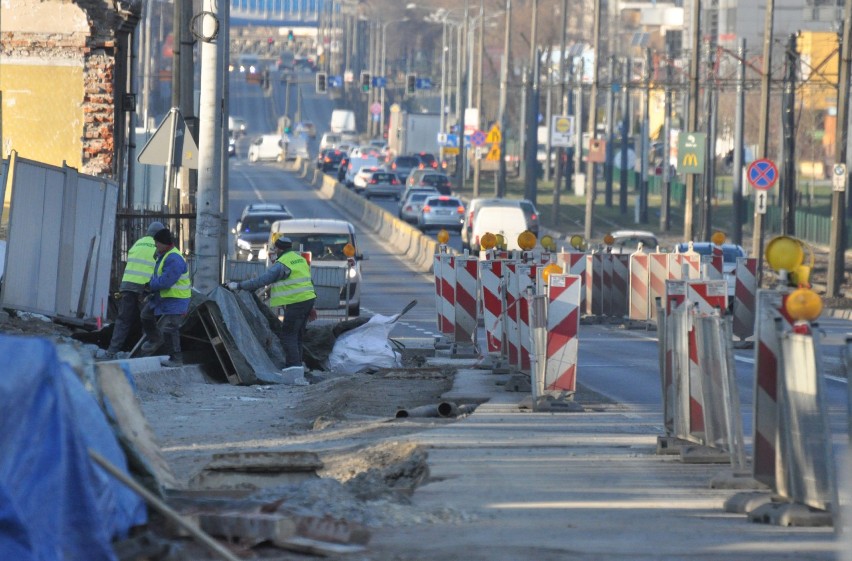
pixel 348 76
pixel 762 174
pixel 690 152
pixel 838 177
pixel 494 137
pixel 376 108
pixel 561 130
pixel 477 138
pixel 478 152
pixel 423 83
pixel 335 81
pixel 442 139
pixel 172 129
pixel 451 150
pixel 597 151
pixel 760 201
pixel 380 82
pixel 494 153
pixel 452 140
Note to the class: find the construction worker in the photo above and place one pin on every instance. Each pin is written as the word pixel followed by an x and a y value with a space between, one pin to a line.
pixel 292 289
pixel 169 300
pixel 137 273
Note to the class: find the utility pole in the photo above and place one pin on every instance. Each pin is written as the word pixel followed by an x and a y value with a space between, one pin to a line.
pixel 646 133
pixel 461 159
pixel 763 135
pixel 548 114
pixel 522 164
pixel 609 168
pixel 692 117
pixel 739 133
pixel 665 189
pixel 563 110
pixel 593 109
pixel 788 121
pixel 504 84
pixel 578 115
pixel 208 217
pixel 531 178
pixel 477 162
pixel 837 238
pixel 709 184
pixel 625 136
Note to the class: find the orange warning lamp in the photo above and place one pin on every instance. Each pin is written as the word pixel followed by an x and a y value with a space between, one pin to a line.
pixel 550 269
pixel 443 237
pixel 803 304
pixel 501 241
pixel 608 239
pixel 718 238
pixel 488 241
pixel 526 240
pixel 349 250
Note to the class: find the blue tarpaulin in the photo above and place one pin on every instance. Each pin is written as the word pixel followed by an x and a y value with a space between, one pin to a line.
pixel 55 503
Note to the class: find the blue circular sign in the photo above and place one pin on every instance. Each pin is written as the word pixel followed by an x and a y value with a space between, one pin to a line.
pixel 478 138
pixel 762 174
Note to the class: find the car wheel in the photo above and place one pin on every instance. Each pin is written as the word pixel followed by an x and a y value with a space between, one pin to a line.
pixel 355 310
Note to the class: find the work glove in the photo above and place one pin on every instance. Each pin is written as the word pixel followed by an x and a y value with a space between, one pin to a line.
pixel 233 286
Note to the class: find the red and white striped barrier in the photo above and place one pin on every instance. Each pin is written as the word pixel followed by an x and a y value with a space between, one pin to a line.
pixel 745 293
pixel 680 261
pixel 711 266
pixel 563 326
pixel 511 328
pixel 675 409
pixel 526 281
pixel 620 285
pixel 705 296
pixel 767 357
pixel 575 264
pixel 606 285
pixel 639 277
pixel 445 288
pixel 658 273
pixel 695 376
pixel 466 301
pixel 491 278
pixel 594 284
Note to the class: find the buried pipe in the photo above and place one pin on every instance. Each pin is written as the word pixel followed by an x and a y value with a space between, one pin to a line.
pixel 444 409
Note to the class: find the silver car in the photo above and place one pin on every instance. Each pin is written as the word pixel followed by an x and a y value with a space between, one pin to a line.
pixel 441 211
pixel 410 206
pixel 383 184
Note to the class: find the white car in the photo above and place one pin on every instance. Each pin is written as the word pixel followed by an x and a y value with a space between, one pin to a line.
pixel 325 240
pixel 510 221
pixel 364 175
pixel 329 140
pixel 266 147
pixel 355 165
pixel 295 146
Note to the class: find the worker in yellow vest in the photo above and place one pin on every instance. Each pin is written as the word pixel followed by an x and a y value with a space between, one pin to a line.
pixel 137 273
pixel 292 289
pixel 171 291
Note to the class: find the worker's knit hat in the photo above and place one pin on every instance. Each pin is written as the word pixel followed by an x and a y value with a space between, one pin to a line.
pixel 154 227
pixel 164 237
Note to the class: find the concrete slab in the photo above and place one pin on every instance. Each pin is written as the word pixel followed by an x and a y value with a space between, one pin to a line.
pixel 697 454
pixel 743 503
pixel 791 514
pixel 670 445
pixel 736 480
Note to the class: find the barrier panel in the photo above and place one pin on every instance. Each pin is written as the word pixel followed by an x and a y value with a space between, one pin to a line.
pixel 676 395
pixel 466 301
pixel 708 295
pixel 511 328
pixel 594 284
pixel 803 424
pixel 445 287
pixel 658 273
pixel 606 285
pixel 684 266
pixel 693 379
pixel 491 279
pixel 664 358
pixel 563 327
pixel 711 267
pixel 537 305
pixel 767 463
pixel 620 285
pixel 526 284
pixel 639 278
pixel 745 291
pixel 574 263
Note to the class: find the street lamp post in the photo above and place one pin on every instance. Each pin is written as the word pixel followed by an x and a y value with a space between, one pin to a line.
pixel 382 71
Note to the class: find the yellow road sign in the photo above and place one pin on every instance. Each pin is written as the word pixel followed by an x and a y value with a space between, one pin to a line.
pixel 451 150
pixel 494 136
pixel 494 153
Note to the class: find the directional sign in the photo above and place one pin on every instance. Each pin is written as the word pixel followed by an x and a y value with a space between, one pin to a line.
pixel 335 81
pixel 451 150
pixel 423 84
pixel 838 177
pixel 171 131
pixel 561 130
pixel 494 137
pixel 452 140
pixel 690 152
pixel 760 202
pixel 478 138
pixel 380 82
pixel 762 174
pixel 494 153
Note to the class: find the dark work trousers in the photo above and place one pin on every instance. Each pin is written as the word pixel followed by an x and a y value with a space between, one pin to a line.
pixel 165 328
pixel 129 306
pixel 293 331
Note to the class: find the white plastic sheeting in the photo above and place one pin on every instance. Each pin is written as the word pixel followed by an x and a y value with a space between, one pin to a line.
pixel 366 348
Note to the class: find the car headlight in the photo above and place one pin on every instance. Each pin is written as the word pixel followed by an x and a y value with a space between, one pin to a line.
pixel 243 244
pixel 261 254
pixel 352 273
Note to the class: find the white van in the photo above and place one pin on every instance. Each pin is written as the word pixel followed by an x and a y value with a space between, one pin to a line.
pixel 342 120
pixel 266 147
pixel 325 239
pixel 510 221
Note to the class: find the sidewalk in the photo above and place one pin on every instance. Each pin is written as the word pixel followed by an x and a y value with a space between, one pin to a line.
pixel 580 486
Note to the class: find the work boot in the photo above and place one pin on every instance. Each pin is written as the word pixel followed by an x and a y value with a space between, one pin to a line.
pixel 149 347
pixel 295 375
pixel 174 361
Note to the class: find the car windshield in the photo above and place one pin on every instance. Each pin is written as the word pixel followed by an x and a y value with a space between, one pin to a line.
pixel 427 159
pixel 435 180
pixel 323 247
pixel 406 162
pixel 260 222
pixel 419 197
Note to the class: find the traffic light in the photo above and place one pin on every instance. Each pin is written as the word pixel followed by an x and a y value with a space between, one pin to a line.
pixel 322 83
pixel 366 81
pixel 290 36
pixel 411 83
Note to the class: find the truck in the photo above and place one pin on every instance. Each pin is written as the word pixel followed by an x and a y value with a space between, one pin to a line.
pixel 410 133
pixel 342 120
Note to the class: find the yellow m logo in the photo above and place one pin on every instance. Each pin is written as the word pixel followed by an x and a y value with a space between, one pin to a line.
pixel 690 160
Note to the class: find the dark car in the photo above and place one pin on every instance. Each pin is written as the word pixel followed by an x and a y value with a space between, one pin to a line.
pixel 439 181
pixel 252 231
pixel 402 166
pixel 428 160
pixel 330 159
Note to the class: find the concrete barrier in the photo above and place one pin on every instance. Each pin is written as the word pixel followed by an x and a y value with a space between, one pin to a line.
pixel 400 235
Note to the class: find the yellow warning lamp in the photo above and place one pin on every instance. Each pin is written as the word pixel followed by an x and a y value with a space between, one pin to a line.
pixel 718 238
pixel 803 304
pixel 501 241
pixel 349 250
pixel 526 240
pixel 578 242
pixel 784 253
pixel 548 243
pixel 608 239
pixel 443 236
pixel 550 269
pixel 801 275
pixel 488 241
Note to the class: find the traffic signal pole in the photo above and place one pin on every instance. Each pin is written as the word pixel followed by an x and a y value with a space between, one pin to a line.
pixel 763 136
pixel 692 117
pixel 593 109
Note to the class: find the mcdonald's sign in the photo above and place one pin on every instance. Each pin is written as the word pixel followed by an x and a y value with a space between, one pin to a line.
pixel 690 152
